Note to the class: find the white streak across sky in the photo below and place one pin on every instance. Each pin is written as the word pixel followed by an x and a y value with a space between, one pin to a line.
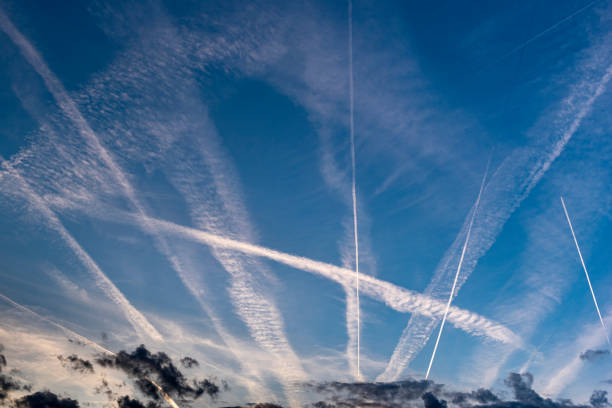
pixel 398 298
pixel 511 183
pixel 263 331
pixel 83 340
pixel 135 317
pixel 459 265
pixel 354 181
pixel 586 273
pixel 71 110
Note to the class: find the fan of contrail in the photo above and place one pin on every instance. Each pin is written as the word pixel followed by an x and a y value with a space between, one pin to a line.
pixel 85 340
pixel 354 182
pixel 452 293
pixel 569 222
pixel 134 316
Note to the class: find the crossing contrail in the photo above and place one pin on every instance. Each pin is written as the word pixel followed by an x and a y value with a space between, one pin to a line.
pixel 135 317
pixel 260 314
pixel 586 273
pixel 70 109
pixel 510 184
pixel 354 182
pixel 395 297
pixel 452 293
pixel 84 340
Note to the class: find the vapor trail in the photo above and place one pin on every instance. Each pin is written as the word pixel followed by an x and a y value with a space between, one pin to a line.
pixel 354 183
pixel 541 33
pixel 400 299
pixel 510 184
pixel 59 326
pixel 586 273
pixel 452 293
pixel 252 305
pixel 69 107
pixel 85 340
pixel 137 319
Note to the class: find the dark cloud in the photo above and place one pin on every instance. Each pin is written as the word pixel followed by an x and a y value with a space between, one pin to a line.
pixel 431 401
pixel 127 402
pixel 45 399
pixel 592 355
pixel 77 364
pixel 479 397
pixel 2 358
pixel 521 385
pixel 599 399
pixel 104 388
pixel 189 362
pixel 427 394
pixel 77 342
pixel 142 365
pixel 7 385
pixel 384 394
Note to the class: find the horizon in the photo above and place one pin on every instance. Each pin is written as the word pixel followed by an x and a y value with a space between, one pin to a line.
pixel 310 200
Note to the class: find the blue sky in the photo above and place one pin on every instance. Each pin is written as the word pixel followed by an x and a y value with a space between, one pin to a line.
pixel 154 153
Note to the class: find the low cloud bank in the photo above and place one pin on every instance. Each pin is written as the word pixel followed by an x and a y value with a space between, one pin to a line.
pixel 146 369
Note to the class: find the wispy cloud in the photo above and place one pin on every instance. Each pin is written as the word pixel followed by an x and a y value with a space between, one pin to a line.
pixel 511 183
pixel 248 301
pixel 452 293
pixel 590 338
pixel 397 298
pixel 135 317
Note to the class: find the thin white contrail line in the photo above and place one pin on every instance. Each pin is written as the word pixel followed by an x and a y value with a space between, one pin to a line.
pixel 354 177
pixel 540 34
pixel 409 345
pixel 452 293
pixel 137 319
pixel 85 340
pixel 71 110
pixel 400 299
pixel 586 273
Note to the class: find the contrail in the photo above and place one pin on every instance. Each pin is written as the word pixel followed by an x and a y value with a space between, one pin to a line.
pixel 224 213
pixel 69 107
pixel 84 340
pixel 452 293
pixel 400 299
pixel 137 319
pixel 354 183
pixel 511 183
pixel 586 273
pixel 249 303
pixel 540 34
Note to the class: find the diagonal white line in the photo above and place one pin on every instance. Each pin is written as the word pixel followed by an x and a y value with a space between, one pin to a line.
pixel 452 293
pixel 586 273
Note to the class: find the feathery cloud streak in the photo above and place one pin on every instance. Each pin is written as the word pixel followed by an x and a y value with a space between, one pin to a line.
pixel 135 317
pixel 510 184
pixel 450 297
pixel 400 299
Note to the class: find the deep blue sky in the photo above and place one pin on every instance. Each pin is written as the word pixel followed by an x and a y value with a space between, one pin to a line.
pixel 233 118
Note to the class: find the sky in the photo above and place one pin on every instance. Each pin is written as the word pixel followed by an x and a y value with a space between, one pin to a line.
pixel 201 177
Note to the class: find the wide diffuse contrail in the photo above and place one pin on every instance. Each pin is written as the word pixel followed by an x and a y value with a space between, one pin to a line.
pixel 569 222
pixel 354 182
pixel 85 340
pixel 400 299
pixel 452 293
